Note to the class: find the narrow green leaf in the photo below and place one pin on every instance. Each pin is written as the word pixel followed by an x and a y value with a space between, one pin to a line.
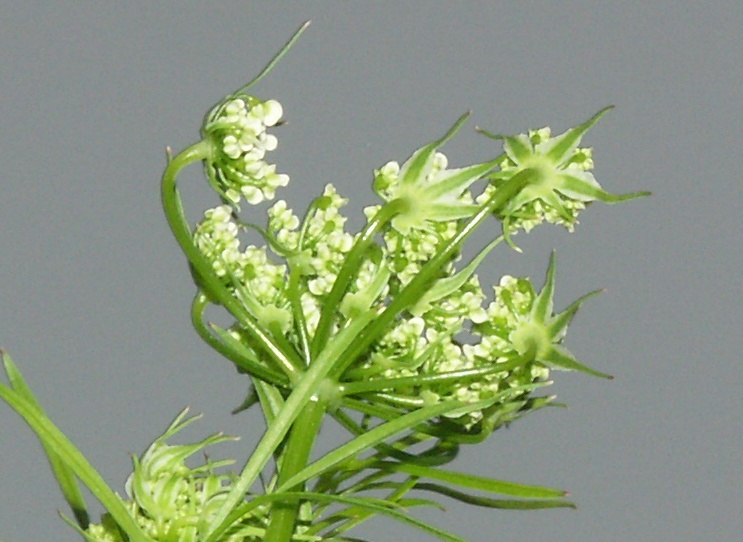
pixel 559 323
pixel 561 147
pixel 65 477
pixel 270 399
pixel 378 506
pixel 543 306
pixel 559 358
pixel 455 181
pixel 439 453
pixel 422 159
pixel 507 504
pixel 444 287
pixel 576 187
pixel 52 437
pixel 518 147
pixel 374 437
pixel 480 483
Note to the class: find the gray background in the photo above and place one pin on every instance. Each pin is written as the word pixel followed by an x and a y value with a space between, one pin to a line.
pixel 94 292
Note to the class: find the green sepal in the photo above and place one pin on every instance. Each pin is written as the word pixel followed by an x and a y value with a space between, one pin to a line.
pixel 422 159
pixel 560 148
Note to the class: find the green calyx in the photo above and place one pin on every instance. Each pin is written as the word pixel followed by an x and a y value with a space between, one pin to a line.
pixel 523 321
pixel 429 192
pixel 561 184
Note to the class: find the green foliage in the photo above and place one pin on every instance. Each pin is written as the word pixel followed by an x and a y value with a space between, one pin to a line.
pixel 385 330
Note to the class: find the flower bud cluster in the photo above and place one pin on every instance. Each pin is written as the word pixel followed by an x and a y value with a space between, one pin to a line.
pixel 510 311
pixel 237 169
pixel 430 345
pixel 548 198
pixel 409 252
pixel 559 181
pixel 448 330
pixel 430 193
pixel 316 254
pixel 172 501
pixel 249 274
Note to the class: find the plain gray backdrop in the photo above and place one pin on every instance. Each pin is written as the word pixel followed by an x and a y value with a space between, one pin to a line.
pixel 94 293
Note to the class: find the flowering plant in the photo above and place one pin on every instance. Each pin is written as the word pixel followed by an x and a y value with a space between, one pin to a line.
pixel 387 331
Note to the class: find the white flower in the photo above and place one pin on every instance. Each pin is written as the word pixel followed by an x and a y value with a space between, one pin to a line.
pixel 237 168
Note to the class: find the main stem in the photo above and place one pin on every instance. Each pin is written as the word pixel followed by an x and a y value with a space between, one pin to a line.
pixel 295 457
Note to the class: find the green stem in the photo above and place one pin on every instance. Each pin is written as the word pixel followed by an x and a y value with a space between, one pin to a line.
pixel 349 270
pixel 302 394
pixel 200 302
pixel 211 284
pixel 295 457
pixel 274 60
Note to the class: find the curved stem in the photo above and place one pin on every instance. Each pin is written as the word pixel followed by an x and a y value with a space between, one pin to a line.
pixel 211 284
pixel 254 368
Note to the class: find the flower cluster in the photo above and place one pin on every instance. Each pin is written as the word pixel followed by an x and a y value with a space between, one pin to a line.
pixel 315 254
pixel 560 183
pixel 171 501
pixel 385 330
pixel 237 169
pixel 505 349
pixel 513 344
pixel 258 283
pixel 429 192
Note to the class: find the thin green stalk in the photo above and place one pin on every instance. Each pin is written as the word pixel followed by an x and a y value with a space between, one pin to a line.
pixel 275 60
pixel 300 397
pixel 349 270
pixel 256 369
pixel 295 458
